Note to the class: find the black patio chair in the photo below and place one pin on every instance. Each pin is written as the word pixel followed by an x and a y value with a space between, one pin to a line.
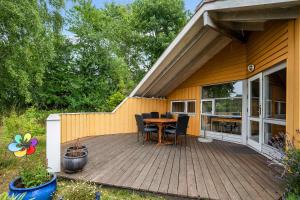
pixel 182 114
pixel 154 114
pixel 146 115
pixel 179 129
pixel 167 115
pixel 142 128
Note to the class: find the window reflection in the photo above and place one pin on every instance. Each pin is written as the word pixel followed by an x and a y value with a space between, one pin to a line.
pixel 275 95
pixel 222 108
pixel 274 135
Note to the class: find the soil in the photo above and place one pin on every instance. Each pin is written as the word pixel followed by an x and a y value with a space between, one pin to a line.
pixel 75 153
pixel 19 184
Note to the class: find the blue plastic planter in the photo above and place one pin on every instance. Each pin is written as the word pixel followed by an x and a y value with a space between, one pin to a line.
pixel 42 192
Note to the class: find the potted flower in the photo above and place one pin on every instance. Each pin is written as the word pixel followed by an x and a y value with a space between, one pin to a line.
pixel 75 158
pixel 34 181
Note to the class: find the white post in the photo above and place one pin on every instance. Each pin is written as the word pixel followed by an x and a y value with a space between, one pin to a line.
pixel 53 143
pixel 245 113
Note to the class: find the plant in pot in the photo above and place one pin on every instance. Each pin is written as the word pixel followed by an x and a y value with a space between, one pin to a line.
pixel 75 158
pixel 34 181
pixel 77 146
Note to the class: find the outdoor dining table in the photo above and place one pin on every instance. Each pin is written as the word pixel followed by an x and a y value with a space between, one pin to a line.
pixel 160 122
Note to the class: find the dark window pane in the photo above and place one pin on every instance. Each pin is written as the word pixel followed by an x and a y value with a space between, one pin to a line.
pixel 274 135
pixel 191 107
pixel 178 106
pixel 275 95
pixel 254 130
pixel 255 91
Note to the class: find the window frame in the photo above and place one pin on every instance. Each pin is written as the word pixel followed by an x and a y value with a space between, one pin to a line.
pixel 185 106
pixel 212 107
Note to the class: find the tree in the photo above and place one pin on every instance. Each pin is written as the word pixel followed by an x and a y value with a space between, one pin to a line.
pixel 157 22
pixel 99 72
pixel 26 30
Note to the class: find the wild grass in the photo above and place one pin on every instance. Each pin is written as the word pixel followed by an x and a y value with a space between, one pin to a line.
pixel 87 191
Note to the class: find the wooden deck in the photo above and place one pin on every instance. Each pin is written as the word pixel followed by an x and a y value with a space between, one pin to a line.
pixel 217 170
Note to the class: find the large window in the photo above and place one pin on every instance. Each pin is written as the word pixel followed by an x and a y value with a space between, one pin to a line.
pixel 186 106
pixel 221 108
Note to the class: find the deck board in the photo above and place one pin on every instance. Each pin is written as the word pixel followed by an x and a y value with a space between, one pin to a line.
pixel 217 170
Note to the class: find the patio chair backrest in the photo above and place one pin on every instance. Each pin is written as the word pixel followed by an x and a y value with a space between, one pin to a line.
pixel 140 123
pixel 182 114
pixel 169 115
pixel 182 124
pixel 154 114
pixel 146 115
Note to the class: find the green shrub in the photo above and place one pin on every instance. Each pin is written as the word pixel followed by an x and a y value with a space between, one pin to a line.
pixel 28 122
pixel 292 172
pixel 34 175
pixel 292 196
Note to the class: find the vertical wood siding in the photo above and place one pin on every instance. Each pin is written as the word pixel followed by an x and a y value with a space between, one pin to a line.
pixel 191 93
pixel 263 49
pixel 79 125
pixel 293 83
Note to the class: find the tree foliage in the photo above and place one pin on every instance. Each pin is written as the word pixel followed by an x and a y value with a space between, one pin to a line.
pixel 107 52
pixel 26 47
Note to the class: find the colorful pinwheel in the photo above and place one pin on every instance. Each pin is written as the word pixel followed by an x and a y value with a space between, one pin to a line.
pixel 23 146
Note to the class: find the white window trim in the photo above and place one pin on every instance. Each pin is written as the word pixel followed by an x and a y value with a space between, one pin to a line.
pixel 185 107
pixel 212 107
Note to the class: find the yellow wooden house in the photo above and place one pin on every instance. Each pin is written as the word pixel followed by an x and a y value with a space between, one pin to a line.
pixel 234 69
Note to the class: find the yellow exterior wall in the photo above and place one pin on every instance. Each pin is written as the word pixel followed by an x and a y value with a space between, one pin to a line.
pixel 79 125
pixel 293 73
pixel 190 93
pixel 263 49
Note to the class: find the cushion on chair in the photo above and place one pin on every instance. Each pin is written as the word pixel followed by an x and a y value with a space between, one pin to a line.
pixel 170 131
pixel 150 129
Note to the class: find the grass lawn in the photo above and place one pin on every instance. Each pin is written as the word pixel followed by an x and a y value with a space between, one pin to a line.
pixel 9 167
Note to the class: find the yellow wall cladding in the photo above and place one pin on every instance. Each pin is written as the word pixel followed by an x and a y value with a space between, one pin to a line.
pixel 191 93
pixel 263 49
pixel 79 125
